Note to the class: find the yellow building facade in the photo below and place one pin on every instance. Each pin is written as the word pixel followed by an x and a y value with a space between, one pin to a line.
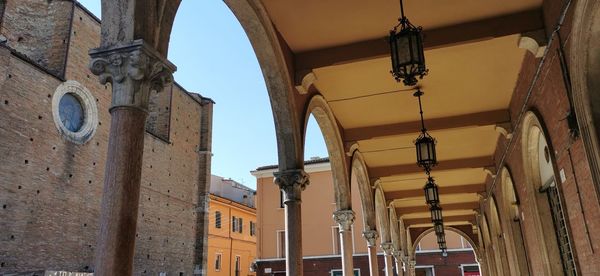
pixel 231 237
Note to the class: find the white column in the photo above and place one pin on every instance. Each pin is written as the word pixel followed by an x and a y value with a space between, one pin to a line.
pixel 398 261
pixel 389 259
pixel 345 219
pixel 292 183
pixel 371 237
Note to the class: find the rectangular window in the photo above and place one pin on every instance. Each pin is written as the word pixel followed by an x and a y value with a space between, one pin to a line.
pixel 281 243
pixel 217 219
pixel 233 224
pixel 241 225
pixel 252 228
pixel 218 262
pixel 238 265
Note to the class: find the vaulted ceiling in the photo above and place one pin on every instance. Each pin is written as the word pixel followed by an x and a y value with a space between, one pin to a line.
pixel 474 61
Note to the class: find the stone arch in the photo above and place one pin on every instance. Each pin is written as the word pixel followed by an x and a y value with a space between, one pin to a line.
pixel 488 247
pixel 497 236
pixel 381 213
pixel 585 71
pixel 394 228
pixel 538 164
pixel 515 243
pixel 476 248
pixel 128 20
pixel 319 108
pixel 360 172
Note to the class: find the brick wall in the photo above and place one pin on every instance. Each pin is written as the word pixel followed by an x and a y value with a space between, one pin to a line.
pixel 549 99
pixel 39 29
pixel 50 188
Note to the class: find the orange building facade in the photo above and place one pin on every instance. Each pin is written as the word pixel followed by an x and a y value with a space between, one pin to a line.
pixel 321 242
pixel 231 237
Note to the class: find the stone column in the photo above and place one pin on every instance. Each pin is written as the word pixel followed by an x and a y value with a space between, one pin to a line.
pixel 345 219
pixel 412 267
pixel 133 69
pixel 371 237
pixel 398 261
pixel 389 262
pixel 292 183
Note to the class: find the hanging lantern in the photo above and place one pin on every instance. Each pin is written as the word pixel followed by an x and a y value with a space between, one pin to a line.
pixel 441 238
pixel 406 46
pixel 432 196
pixel 436 213
pixel 438 227
pixel 425 144
pixel 443 246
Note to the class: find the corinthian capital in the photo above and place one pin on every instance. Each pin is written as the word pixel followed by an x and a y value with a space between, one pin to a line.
pixel 133 70
pixel 292 183
pixel 345 219
pixel 387 248
pixel 371 237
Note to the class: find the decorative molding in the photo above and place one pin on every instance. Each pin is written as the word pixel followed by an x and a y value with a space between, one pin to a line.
pixel 134 70
pixel 371 237
pixel 534 42
pixel 292 183
pixel 505 129
pixel 90 110
pixel 387 248
pixel 490 170
pixel 307 83
pixel 344 218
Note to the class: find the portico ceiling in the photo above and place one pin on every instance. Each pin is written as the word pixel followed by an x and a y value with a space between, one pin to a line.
pixel 474 63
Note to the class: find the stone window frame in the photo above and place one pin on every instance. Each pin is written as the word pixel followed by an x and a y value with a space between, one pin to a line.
pixel 90 110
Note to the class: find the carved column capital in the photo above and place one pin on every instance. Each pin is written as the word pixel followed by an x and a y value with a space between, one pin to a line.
pixel 344 218
pixel 371 237
pixel 397 254
pixel 133 70
pixel 387 248
pixel 292 183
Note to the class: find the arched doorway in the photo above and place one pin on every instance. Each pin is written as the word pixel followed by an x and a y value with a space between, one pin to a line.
pixel 515 245
pixel 549 217
pixel 497 236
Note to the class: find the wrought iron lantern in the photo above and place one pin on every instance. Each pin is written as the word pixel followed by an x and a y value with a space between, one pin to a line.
pixel 406 46
pixel 438 227
pixel 436 213
pixel 443 246
pixel 425 144
pixel 432 196
pixel 441 238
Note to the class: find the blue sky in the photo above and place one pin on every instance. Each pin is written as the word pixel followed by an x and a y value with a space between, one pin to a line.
pixel 215 58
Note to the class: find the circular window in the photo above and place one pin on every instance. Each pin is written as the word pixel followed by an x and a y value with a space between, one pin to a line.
pixel 70 112
pixel 75 112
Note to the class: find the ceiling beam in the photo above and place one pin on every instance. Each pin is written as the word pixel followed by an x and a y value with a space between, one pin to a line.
pixel 473 162
pixel 446 207
pixel 460 189
pixel 408 222
pixel 488 28
pixel 485 118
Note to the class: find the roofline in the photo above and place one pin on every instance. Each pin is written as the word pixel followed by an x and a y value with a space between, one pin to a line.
pixel 233 203
pixel 320 165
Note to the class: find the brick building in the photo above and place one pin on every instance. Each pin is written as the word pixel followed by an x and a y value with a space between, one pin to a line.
pixel 54 133
pixel 511 97
pixel 322 244
pixel 231 228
